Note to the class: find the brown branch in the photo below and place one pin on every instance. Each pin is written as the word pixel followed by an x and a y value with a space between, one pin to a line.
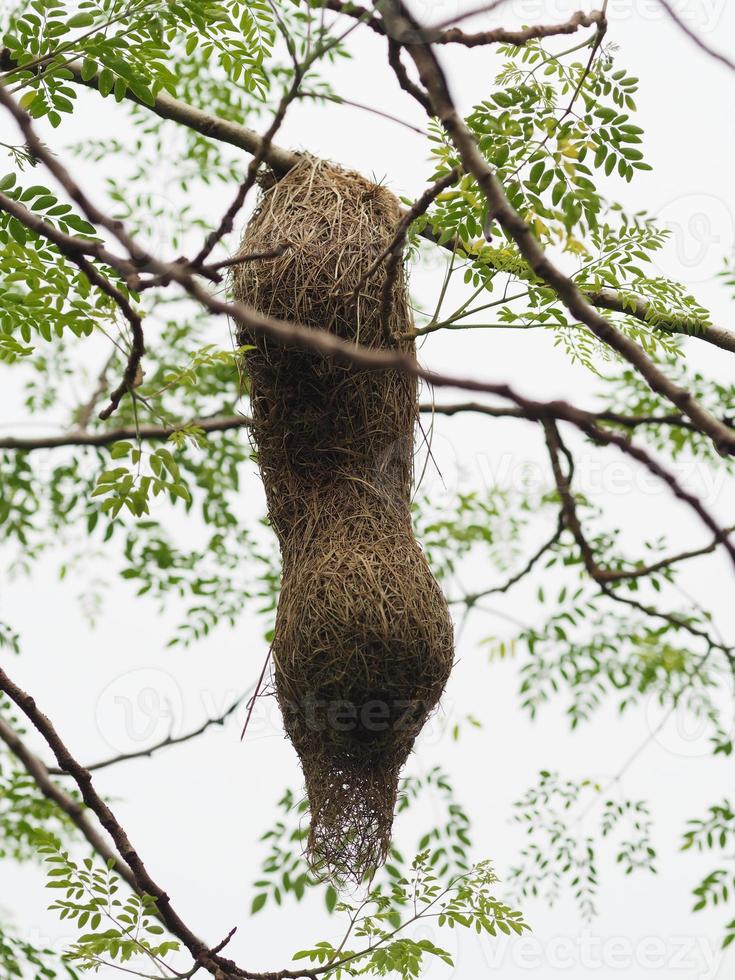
pixel 207 957
pixel 228 219
pixel 273 253
pixel 472 597
pixel 226 423
pixel 417 209
pixel 109 436
pixel 399 70
pixel 142 880
pixel 671 618
pixel 394 250
pixel 402 28
pixel 64 242
pixel 501 36
pixel 74 249
pixel 83 414
pixel 453 35
pixel 500 412
pixel 606 576
pixel 130 376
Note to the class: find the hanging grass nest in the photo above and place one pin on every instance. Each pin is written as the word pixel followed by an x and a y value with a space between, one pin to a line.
pixel 363 642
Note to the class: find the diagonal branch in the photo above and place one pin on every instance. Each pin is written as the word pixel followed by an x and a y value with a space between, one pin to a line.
pixel 417 209
pixel 472 597
pixel 404 30
pixel 610 299
pixel 717 55
pixel 141 878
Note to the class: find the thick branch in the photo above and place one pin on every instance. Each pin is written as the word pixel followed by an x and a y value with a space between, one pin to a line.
pixel 282 160
pixel 403 29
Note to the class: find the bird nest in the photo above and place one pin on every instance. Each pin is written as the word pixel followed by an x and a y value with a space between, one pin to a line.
pixel 363 643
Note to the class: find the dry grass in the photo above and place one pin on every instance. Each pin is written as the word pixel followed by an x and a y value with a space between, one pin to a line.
pixel 363 644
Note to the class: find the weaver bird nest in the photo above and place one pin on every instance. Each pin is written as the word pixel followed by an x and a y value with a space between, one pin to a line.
pixel 363 643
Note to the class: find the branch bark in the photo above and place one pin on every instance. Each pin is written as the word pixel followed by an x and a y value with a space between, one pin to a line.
pixel 226 423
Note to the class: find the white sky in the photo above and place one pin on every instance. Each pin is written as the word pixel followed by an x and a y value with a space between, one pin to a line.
pixel 195 813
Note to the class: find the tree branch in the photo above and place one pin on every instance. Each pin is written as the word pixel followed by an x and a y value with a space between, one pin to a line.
pixel 163 744
pixel 142 880
pixel 717 55
pixel 226 423
pixel 453 35
pixel 606 576
pixel 610 299
pixel 472 597
pixel 403 29
pixel 107 437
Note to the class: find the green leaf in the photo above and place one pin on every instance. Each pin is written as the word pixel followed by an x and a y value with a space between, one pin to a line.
pixel 330 898
pixel 258 903
pixel 89 69
pixel 83 19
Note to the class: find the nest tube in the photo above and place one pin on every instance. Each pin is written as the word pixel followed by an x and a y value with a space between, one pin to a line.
pixel 363 642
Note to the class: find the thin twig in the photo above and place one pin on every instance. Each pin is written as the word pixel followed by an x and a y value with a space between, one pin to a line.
pixel 163 744
pixel 471 598
pixel 717 55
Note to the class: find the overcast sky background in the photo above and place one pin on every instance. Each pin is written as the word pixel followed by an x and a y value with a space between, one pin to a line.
pixel 195 812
